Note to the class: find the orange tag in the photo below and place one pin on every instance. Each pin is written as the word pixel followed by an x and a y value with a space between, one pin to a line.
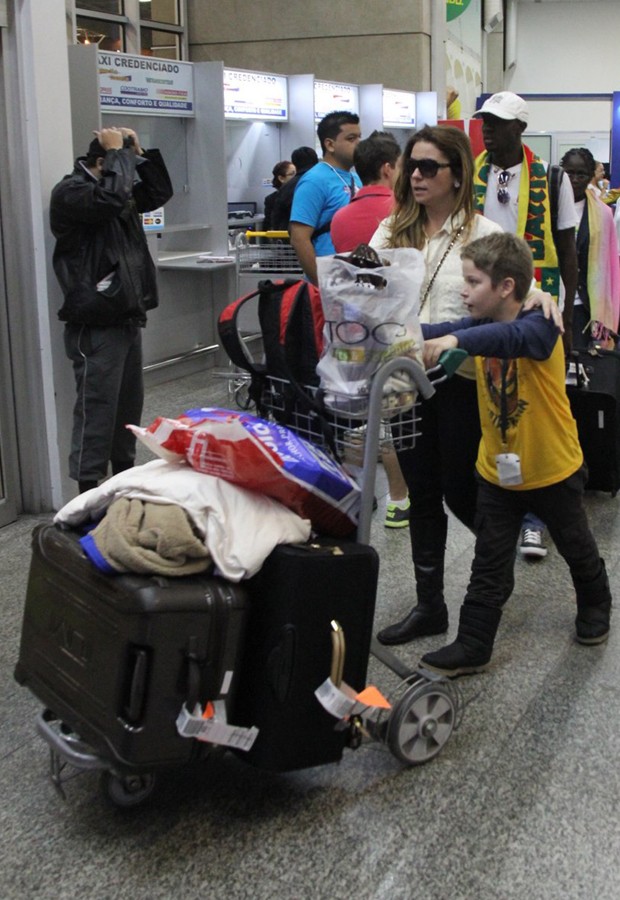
pixel 209 711
pixel 372 696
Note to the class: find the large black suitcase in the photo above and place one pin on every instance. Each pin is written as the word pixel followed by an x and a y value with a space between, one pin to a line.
pixel 116 657
pixel 294 598
pixel 595 408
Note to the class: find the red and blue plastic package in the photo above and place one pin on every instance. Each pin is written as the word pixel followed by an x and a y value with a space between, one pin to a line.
pixel 261 456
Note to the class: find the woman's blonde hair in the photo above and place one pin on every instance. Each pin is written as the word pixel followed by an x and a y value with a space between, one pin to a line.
pixel 409 217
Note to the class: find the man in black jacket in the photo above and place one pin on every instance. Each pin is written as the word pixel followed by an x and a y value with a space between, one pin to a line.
pixel 108 278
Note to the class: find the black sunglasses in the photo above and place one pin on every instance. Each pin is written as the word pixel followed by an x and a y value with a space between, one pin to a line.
pixel 427 168
pixel 503 180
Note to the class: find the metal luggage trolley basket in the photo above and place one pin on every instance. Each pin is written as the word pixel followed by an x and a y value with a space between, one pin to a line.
pixel 265 253
pixel 425 708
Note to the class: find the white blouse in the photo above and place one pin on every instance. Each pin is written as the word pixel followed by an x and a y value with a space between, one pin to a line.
pixel 444 302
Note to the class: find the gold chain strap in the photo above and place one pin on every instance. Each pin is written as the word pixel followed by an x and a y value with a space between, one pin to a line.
pixel 439 265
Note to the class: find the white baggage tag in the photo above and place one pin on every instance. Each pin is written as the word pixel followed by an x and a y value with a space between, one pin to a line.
pixel 338 701
pixel 214 730
pixel 508 468
pixel 343 701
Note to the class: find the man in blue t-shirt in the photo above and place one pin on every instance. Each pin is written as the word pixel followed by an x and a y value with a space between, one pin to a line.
pixel 324 189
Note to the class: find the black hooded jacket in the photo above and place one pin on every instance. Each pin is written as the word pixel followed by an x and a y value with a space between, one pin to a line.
pixel 100 239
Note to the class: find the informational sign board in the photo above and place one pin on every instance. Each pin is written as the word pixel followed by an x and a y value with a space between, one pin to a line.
pixel 398 109
pixel 255 95
pixel 145 85
pixel 329 96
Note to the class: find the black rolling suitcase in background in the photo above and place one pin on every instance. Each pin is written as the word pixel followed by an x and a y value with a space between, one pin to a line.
pixel 595 407
pixel 116 657
pixel 293 600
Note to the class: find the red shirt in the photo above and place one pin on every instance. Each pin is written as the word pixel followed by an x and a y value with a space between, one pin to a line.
pixel 356 222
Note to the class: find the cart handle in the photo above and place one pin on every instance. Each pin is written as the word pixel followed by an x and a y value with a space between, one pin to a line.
pixel 449 362
pixel 48 728
pixel 271 234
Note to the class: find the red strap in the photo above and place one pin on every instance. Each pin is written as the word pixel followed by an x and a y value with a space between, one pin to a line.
pixel 318 318
pixel 230 312
pixel 287 305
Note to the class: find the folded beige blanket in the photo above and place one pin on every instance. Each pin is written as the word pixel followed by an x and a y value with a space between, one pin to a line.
pixel 150 538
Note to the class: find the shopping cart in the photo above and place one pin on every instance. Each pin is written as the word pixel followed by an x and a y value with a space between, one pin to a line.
pixel 425 708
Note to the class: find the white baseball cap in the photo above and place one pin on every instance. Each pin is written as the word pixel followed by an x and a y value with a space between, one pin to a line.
pixel 505 105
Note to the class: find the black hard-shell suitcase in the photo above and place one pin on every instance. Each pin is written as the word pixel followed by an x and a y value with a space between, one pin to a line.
pixel 595 408
pixel 116 657
pixel 294 598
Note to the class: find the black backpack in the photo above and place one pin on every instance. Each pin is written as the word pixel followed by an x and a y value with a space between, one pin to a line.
pixel 285 383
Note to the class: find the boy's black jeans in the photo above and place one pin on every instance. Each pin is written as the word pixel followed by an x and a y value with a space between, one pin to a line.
pixel 499 515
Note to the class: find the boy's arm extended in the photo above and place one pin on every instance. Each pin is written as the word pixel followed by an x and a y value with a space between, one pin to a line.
pixel 530 334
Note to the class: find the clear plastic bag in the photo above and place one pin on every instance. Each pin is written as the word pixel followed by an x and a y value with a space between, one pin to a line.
pixel 371 316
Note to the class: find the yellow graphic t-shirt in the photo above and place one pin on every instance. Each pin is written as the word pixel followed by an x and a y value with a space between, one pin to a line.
pixel 540 425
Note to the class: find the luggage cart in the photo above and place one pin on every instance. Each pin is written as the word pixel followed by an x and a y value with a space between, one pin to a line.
pixel 425 708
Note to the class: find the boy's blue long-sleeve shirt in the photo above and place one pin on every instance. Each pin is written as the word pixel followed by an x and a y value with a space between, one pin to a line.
pixel 530 335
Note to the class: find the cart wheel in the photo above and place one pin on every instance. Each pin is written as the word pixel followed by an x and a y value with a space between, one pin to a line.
pixel 420 723
pixel 127 790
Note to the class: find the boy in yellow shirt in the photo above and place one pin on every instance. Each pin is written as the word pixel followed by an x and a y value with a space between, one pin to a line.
pixel 529 457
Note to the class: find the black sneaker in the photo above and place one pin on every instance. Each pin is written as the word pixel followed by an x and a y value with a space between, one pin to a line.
pixel 531 545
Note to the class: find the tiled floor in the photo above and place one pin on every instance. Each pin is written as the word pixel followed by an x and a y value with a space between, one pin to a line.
pixel 521 804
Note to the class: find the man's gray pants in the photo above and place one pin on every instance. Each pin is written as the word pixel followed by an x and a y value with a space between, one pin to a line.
pixel 107 364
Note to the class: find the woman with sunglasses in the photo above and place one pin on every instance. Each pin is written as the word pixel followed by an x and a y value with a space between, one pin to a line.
pixel 434 213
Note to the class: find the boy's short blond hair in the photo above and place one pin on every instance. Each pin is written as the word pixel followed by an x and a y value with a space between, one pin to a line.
pixel 502 255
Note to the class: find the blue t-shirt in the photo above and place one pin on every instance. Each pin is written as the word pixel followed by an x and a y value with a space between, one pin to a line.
pixel 319 193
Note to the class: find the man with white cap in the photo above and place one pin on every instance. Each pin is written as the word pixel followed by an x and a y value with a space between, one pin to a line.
pixel 512 189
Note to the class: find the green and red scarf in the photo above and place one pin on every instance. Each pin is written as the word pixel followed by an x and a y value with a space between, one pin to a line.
pixel 534 216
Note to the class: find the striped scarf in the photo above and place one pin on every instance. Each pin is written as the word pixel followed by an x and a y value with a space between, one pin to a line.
pixel 534 215
pixel 603 279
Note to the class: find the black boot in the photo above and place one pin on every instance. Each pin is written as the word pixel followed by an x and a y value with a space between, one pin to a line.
pixel 421 621
pixel 472 649
pixel 429 616
pixel 593 609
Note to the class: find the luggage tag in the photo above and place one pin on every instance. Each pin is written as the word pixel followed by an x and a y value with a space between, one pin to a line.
pixel 342 702
pixel 508 468
pixel 211 726
pixel 577 376
pixel 339 698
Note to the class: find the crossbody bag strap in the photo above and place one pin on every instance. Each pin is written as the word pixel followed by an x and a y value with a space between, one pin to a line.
pixel 439 265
